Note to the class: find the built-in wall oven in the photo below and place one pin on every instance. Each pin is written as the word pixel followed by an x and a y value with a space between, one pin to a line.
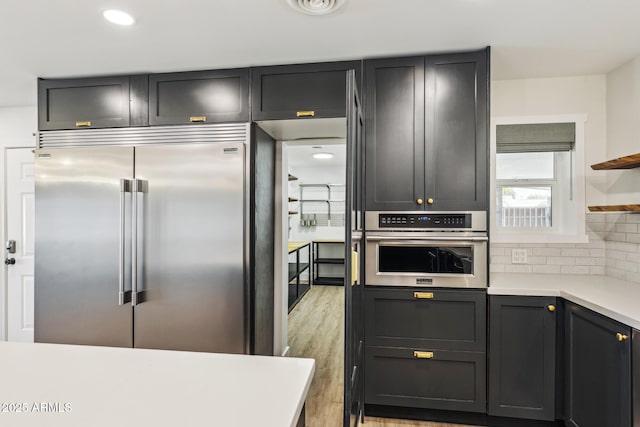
pixel 440 249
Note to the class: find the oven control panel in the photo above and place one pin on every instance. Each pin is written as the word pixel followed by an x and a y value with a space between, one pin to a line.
pixel 460 221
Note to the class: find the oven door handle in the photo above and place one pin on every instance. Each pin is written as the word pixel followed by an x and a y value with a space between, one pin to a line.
pixel 431 238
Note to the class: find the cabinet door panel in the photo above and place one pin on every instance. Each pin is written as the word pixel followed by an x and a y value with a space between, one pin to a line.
pixel 203 96
pixel 452 320
pixel 598 370
pixel 394 133
pixel 449 380
pixel 522 351
pixel 456 131
pixel 290 91
pixel 92 102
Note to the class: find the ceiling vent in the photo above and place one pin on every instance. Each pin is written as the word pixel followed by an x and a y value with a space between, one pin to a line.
pixel 316 7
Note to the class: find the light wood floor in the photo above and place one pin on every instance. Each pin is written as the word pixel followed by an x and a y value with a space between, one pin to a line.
pixel 316 330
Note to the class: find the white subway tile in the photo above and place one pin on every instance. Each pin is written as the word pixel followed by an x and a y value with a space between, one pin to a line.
pixel 533 245
pixel 589 261
pixel 547 269
pixel 614 254
pixel 627 228
pixel 591 217
pixel 599 226
pixel 625 246
pixel 615 237
pixel 632 219
pixel 575 252
pixel 503 245
pixel 497 251
pixel 597 253
pixel 632 277
pixel 496 268
pixel 561 261
pixel 633 237
pixel 597 270
pixel 562 245
pixel 627 266
pixel 517 268
pixel 536 260
pixel 633 258
pixel 547 251
pixel 500 259
pixel 575 269
pixel 615 273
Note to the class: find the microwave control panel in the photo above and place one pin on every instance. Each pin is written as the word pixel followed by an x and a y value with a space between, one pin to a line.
pixel 420 221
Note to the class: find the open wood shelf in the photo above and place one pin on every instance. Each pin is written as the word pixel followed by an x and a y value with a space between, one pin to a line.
pixel 615 208
pixel 293 212
pixel 626 162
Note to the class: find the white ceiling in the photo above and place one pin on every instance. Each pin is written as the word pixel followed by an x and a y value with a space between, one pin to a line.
pixel 542 38
pixel 300 153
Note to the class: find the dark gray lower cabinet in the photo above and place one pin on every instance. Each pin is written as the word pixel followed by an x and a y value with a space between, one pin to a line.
pixel 598 370
pixel 522 357
pixel 635 362
pixel 434 379
pixel 425 348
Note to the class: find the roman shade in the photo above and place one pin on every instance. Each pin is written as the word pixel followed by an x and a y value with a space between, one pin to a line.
pixel 536 137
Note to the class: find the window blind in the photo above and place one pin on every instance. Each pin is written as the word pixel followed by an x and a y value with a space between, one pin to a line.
pixel 537 137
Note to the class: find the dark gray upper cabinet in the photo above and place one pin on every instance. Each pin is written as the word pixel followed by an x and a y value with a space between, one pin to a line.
pixel 426 139
pixel 394 136
pixel 101 102
pixel 199 97
pixel 522 357
pixel 598 351
pixel 301 91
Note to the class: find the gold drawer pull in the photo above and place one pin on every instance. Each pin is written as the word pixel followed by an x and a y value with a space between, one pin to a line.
pixel 83 124
pixel 551 308
pixel 419 201
pixel 423 295
pixel 430 201
pixel 621 337
pixel 306 113
pixel 423 354
pixel 197 119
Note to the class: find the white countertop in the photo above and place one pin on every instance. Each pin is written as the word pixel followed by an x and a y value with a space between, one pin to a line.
pixel 115 387
pixel 614 298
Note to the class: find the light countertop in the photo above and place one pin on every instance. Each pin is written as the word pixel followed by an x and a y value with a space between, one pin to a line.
pixel 103 386
pixel 614 298
pixel 294 246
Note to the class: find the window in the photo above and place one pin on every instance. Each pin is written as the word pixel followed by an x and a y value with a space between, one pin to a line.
pixel 535 182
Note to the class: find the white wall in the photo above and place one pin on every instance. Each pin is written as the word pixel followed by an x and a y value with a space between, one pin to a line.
pixel 583 95
pixel 623 130
pixel 17 128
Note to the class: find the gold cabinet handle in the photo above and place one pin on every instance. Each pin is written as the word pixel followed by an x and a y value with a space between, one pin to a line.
pixel 198 119
pixel 551 308
pixel 423 295
pixel 419 201
pixel 621 337
pixel 430 201
pixel 423 354
pixel 305 113
pixel 83 124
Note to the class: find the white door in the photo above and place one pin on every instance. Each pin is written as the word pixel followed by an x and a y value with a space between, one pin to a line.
pixel 20 228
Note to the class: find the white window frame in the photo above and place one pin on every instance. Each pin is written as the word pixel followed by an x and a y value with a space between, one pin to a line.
pixel 543 235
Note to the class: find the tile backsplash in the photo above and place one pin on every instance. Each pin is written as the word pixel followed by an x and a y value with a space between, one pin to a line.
pixel 613 250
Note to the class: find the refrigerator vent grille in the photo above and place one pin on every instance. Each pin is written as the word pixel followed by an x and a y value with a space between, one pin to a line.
pixel 204 134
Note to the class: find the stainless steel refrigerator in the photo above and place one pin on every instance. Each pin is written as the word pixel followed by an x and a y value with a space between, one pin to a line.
pixel 141 238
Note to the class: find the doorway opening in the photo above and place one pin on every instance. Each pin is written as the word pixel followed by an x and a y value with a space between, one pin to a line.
pixel 311 163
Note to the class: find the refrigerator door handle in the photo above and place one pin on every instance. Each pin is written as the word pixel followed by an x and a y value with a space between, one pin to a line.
pixel 123 296
pixel 138 186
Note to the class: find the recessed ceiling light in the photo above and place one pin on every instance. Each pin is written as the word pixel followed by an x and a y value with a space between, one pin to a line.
pixel 316 7
pixel 323 156
pixel 118 17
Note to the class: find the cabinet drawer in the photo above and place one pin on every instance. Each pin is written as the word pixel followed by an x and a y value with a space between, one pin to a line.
pixel 84 103
pixel 199 97
pixel 301 91
pixel 449 380
pixel 450 320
